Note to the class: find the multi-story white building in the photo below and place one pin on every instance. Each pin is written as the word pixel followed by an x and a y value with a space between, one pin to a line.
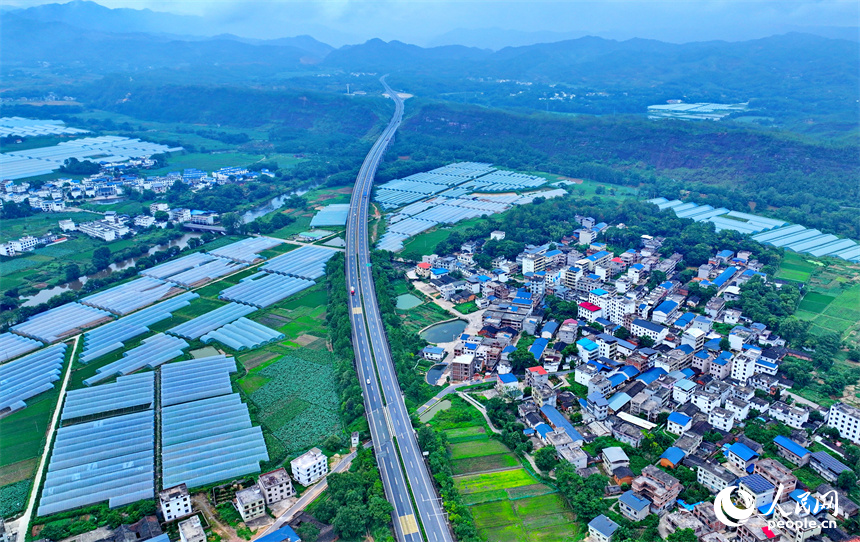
pixel 722 419
pixel 309 467
pixel 644 328
pixel 175 502
pixel 846 419
pixel 191 530
pixel 706 401
pixel 743 366
pixel 276 486
pixel 250 503
pixel 714 477
pixel 791 416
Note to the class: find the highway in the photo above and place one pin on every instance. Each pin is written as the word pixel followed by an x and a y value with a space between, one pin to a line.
pixel 401 463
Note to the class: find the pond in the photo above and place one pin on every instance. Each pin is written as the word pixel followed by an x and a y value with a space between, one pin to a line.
pixel 444 332
pixel 435 373
pixel 407 301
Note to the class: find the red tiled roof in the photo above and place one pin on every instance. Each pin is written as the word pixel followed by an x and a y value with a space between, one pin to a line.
pixel 539 370
pixel 591 307
pixel 424 265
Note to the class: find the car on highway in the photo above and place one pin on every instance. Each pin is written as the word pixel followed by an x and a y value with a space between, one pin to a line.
pixel 368 381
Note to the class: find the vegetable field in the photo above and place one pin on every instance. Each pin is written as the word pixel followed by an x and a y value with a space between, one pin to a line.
pixel 297 400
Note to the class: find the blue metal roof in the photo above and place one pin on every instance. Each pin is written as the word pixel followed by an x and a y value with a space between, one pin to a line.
pixel 637 266
pixel 508 378
pixel 557 420
pixel 650 326
pixel 438 271
pixel 509 349
pixel 688 372
pixel 538 347
pixel 634 501
pixel 617 401
pixel 629 371
pixel 599 291
pixel 598 399
pixel 603 525
pixel 685 319
pixel 542 429
pixel 434 349
pixel 587 343
pixel 651 375
pixel 674 455
pixel 550 327
pixel 284 534
pixel 725 276
pixel 742 450
pixel 679 417
pixel 810 503
pixel 725 254
pixel 686 348
pixel 617 379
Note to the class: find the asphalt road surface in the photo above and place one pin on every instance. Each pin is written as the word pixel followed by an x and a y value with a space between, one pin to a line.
pixel 407 482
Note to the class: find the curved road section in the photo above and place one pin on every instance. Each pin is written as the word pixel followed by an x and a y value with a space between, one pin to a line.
pixel 407 483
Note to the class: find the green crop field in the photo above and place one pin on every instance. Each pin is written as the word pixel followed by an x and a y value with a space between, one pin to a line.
pixel 476 483
pixel 543 518
pixel 478 448
pixel 795 267
pixel 485 463
pixel 815 302
pixel 296 399
pixel 466 434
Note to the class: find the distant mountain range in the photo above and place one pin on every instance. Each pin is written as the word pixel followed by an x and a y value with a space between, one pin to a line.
pixel 797 72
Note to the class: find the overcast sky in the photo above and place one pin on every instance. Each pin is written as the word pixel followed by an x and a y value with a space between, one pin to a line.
pixel 423 22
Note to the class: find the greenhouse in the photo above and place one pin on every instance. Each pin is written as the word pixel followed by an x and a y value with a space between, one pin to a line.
pixel 151 353
pixel 246 250
pixel 331 215
pixel 12 346
pixel 130 296
pixel 178 265
pixel 306 262
pixel 211 320
pixel 111 336
pixel 105 460
pixel 243 334
pixel 196 379
pixel 204 273
pixel 132 391
pixel 210 440
pixel 263 289
pixel 61 322
pixel 29 376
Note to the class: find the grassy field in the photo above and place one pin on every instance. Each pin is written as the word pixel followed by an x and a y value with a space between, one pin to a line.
pixel 40 224
pixel 426 242
pixel 477 448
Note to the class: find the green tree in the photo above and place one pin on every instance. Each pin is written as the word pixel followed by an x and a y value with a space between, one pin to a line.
pixel 72 271
pixel 646 341
pixel 847 480
pixel 101 258
pixel 308 532
pixel 350 521
pixel 161 216
pixel 683 535
pixel 622 333
pixel 546 458
pixel 232 222
pixel 725 344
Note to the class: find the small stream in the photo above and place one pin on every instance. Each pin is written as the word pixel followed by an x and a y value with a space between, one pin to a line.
pixel 76 285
